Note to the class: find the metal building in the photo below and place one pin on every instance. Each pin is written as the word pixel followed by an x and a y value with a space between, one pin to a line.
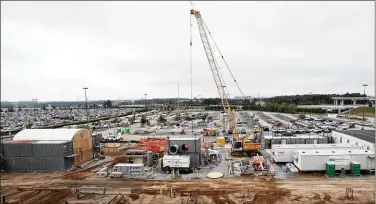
pixel 186 146
pixel 28 155
pixel 299 139
pixel 48 149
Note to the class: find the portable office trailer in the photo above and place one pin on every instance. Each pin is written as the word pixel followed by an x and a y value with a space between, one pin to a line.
pixel 285 153
pixel 315 160
pixel 300 139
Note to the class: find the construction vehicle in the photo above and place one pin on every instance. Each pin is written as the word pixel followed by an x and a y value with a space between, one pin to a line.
pixel 209 132
pixel 239 144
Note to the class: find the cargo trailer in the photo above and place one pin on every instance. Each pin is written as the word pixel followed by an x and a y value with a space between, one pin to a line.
pixel 315 160
pixel 285 153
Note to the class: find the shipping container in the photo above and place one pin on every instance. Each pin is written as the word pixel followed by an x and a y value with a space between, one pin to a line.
pixel 285 153
pixel 315 160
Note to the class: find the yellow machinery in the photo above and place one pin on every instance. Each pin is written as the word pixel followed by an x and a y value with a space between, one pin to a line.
pixel 221 141
pixel 209 131
pixel 239 144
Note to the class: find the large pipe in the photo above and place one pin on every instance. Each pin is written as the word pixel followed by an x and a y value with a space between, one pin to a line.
pixel 174 149
pixel 185 147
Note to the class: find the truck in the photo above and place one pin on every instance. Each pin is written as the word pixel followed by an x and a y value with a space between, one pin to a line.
pixel 181 162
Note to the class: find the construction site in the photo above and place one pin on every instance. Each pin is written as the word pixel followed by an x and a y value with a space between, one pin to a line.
pixel 193 156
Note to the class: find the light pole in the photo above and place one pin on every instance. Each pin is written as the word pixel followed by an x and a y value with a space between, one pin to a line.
pixel 87 113
pixel 178 99
pixel 364 101
pixel 310 105
pixel 145 99
pixel 259 103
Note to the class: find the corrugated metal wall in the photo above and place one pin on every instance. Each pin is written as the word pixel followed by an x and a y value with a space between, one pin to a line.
pixel 35 164
pixel 37 150
pixel 37 157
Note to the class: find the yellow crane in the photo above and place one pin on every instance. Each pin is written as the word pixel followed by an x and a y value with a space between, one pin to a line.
pixel 240 146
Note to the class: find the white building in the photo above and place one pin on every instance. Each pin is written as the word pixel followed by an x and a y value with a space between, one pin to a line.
pixel 362 138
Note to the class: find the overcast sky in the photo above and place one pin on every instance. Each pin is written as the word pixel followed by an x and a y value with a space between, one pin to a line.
pixel 51 50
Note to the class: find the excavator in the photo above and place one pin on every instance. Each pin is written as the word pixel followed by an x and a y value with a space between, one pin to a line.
pixel 240 146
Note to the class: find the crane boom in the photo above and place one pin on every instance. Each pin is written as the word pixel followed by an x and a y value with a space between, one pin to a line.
pixel 240 145
pixel 216 73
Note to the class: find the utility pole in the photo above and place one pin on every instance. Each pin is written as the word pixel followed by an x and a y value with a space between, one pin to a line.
pixel 364 101
pixel 87 113
pixel 259 102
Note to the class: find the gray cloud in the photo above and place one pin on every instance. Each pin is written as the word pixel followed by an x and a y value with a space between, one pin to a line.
pixel 50 50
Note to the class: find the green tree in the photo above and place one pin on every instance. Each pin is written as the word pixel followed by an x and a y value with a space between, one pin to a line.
pixel 161 119
pixel 107 104
pixel 10 109
pixel 203 117
pixel 302 116
pixel 131 120
pixel 187 118
pixel 143 119
pixel 177 117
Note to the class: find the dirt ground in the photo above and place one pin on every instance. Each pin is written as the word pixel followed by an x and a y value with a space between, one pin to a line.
pixel 46 188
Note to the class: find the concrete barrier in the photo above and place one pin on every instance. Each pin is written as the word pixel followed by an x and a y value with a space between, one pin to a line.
pixel 116 191
pixel 91 190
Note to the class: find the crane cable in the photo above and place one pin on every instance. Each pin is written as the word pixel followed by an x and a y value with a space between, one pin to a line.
pixel 233 77
pixel 190 60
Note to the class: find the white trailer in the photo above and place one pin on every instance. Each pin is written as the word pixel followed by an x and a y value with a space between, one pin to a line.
pixel 181 162
pixel 315 160
pixel 285 152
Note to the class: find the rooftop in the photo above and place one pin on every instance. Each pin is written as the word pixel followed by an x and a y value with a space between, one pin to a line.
pixel 35 142
pixel 334 152
pixel 128 164
pixel 366 135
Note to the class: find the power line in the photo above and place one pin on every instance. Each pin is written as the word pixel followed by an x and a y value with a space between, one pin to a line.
pixel 233 77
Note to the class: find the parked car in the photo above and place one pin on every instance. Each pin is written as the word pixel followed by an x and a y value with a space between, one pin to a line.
pixel 317 130
pixel 243 131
